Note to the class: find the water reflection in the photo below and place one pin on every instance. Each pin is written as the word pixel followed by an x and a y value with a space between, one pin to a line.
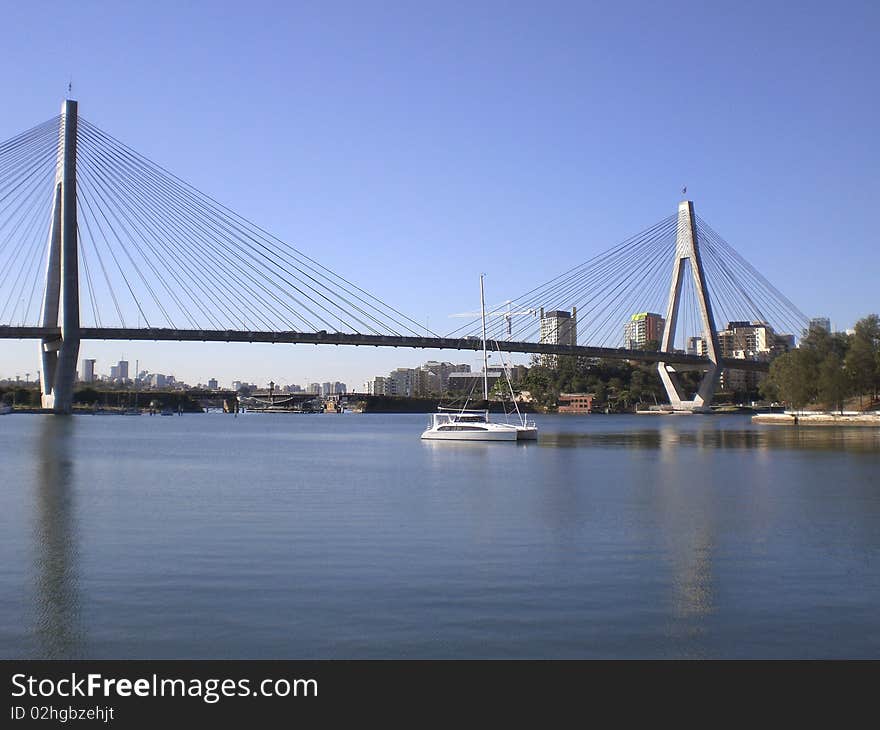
pixel 688 521
pixel 692 580
pixel 758 439
pixel 56 607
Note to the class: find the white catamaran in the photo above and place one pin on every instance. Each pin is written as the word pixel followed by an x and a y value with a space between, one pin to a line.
pixel 474 425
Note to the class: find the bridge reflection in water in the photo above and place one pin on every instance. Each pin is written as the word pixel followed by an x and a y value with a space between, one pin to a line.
pixel 56 607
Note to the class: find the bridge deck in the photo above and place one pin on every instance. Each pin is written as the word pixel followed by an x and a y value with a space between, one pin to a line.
pixel 339 338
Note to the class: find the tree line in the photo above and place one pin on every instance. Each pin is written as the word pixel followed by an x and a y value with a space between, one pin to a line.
pixel 828 369
pixel 616 385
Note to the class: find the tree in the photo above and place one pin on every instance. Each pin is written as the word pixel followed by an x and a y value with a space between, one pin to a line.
pixel 768 389
pixel 500 390
pixel 863 359
pixel 833 385
pixel 794 377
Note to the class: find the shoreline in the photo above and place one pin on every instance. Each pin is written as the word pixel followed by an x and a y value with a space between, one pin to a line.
pixel 863 420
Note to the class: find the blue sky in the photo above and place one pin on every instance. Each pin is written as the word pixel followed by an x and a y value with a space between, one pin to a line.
pixel 411 146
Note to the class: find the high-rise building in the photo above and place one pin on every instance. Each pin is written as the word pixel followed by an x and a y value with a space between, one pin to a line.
pixel 123 370
pixel 642 328
pixel 696 346
pixel 378 386
pixel 472 383
pixel 558 328
pixel 749 341
pixel 212 384
pixel 114 372
pixel 403 382
pixel 821 323
pixel 442 371
pixel 88 370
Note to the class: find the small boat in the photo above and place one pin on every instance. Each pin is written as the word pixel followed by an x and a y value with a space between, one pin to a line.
pixel 166 412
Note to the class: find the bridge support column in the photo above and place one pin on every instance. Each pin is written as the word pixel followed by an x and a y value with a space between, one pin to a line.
pixel 687 251
pixel 61 299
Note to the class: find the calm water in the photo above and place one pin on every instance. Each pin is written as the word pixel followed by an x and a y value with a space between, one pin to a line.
pixel 346 537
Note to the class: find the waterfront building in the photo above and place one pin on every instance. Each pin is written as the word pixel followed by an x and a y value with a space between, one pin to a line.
pixel 378 386
pixel 558 327
pixel 88 370
pixel 158 380
pixel 642 328
pixel 431 378
pixel 442 370
pixel 576 402
pixel 402 382
pixel 472 383
pixel 427 382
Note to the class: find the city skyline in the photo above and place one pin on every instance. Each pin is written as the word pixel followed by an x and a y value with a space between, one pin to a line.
pixel 506 155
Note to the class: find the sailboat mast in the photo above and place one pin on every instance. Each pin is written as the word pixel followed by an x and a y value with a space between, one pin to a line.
pixel 485 353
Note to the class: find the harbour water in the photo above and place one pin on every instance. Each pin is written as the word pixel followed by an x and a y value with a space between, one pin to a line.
pixel 345 536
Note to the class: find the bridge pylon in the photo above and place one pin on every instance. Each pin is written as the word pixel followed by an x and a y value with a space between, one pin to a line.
pixel 61 299
pixel 687 251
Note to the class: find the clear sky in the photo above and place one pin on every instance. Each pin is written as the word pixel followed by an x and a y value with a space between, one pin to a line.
pixel 412 145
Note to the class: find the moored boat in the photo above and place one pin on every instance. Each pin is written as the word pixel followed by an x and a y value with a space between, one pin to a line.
pixel 472 425
pixel 467 425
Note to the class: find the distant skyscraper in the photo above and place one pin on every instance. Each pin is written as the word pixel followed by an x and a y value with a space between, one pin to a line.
pixel 641 329
pixel 558 328
pixel 696 346
pixel 820 323
pixel 114 372
pixel 88 371
pixel 123 370
pixel 212 384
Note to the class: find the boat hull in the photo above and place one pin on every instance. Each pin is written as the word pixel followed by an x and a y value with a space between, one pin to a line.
pixel 493 435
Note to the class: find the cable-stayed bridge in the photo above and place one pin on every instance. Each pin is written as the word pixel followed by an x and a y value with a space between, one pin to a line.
pixel 98 242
